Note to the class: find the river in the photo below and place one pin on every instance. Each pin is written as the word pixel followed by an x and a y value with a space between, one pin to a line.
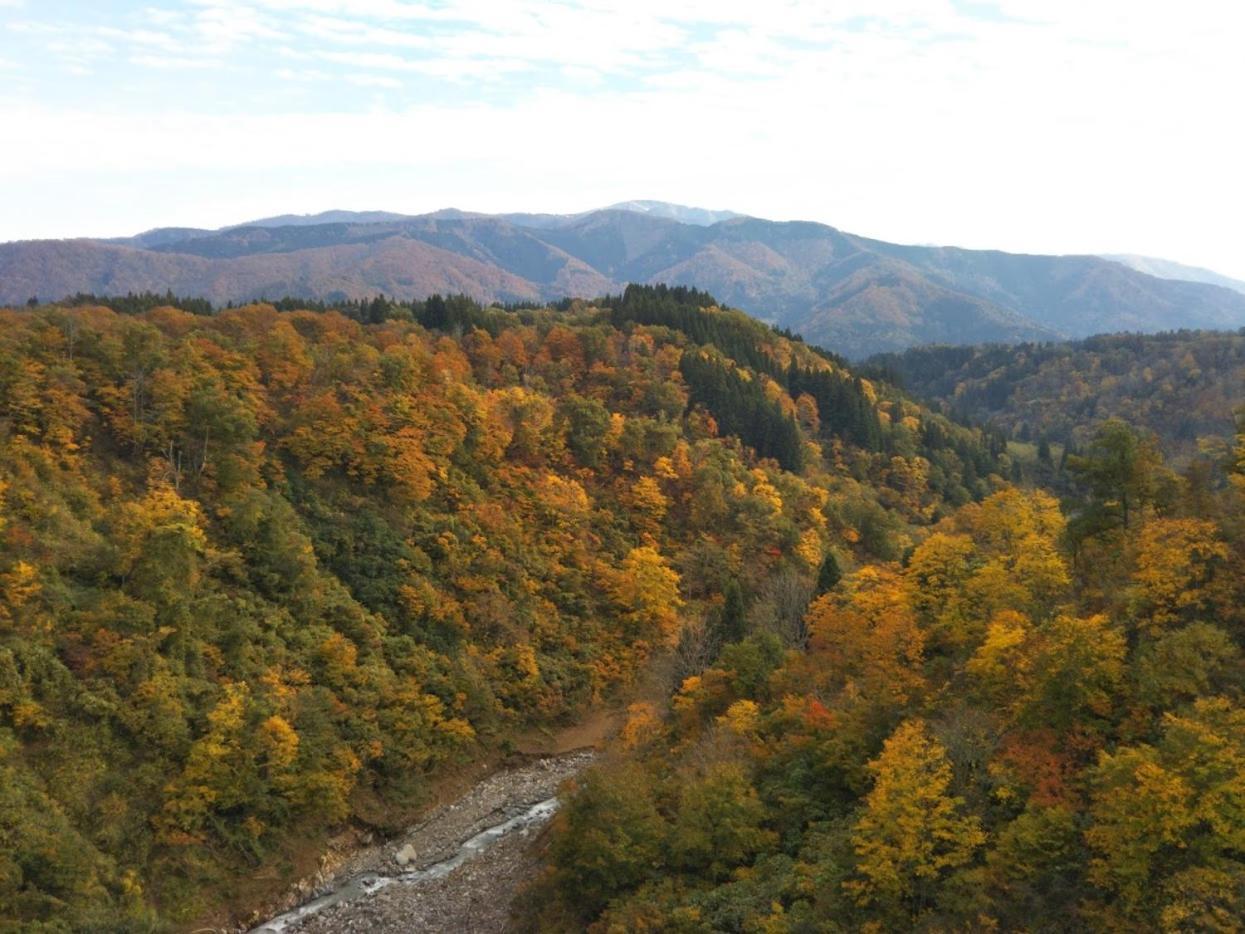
pixel 457 870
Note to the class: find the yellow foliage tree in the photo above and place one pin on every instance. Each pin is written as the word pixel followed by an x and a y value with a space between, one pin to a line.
pixel 208 780
pixel 641 724
pixel 646 590
pixel 742 718
pixel 911 830
pixel 1167 819
pixel 1174 575
pixel 999 555
pixel 937 575
pixel 649 505
pixel 868 635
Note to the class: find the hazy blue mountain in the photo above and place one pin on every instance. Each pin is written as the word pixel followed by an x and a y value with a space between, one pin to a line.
pixel 699 217
pixel 852 294
pixel 1167 269
pixel 675 212
pixel 324 217
pixel 1076 295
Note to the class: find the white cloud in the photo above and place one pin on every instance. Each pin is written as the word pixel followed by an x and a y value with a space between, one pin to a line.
pixel 448 68
pixel 353 32
pixel 222 25
pixel 1060 125
pixel 169 62
pixel 142 37
pixel 159 16
pixel 384 60
pixel 373 81
pixel 302 74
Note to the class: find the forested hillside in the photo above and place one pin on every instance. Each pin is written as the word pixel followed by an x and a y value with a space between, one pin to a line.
pixel 1182 385
pixel 852 294
pixel 263 571
pixel 1033 722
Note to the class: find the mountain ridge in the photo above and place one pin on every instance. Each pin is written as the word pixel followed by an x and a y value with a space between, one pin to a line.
pixel 852 294
pixel 1169 269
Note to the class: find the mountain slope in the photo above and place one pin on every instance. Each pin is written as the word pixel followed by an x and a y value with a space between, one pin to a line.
pixel 265 575
pixel 324 217
pixel 391 265
pixel 1166 269
pixel 1079 295
pixel 1182 386
pixel 893 305
pixel 854 295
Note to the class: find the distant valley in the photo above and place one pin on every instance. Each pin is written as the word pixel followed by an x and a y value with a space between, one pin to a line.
pixel 851 294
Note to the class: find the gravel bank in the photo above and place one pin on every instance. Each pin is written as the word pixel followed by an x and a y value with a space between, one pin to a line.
pixel 474 896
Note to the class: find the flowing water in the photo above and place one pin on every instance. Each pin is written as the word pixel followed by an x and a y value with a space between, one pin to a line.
pixel 368 883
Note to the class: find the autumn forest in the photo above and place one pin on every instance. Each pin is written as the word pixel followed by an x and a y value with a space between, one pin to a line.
pixel 942 645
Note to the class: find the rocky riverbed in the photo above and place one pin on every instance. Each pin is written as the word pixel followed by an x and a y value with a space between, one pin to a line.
pixel 457 870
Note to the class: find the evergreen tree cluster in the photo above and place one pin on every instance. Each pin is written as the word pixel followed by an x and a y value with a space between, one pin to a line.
pixel 450 313
pixel 841 401
pixel 845 408
pixel 136 303
pixel 684 309
pixel 741 408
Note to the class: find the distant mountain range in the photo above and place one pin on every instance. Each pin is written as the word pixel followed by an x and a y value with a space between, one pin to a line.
pixel 1166 269
pixel 851 294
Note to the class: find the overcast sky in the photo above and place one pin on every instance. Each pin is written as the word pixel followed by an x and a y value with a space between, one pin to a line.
pixel 1027 125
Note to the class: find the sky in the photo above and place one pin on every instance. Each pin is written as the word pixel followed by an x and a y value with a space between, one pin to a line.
pixel 1053 126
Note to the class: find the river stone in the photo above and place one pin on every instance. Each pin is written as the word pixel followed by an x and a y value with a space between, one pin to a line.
pixel 406 855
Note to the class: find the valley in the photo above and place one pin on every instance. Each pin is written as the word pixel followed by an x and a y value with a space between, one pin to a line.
pixel 274 575
pixel 459 869
pixel 845 536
